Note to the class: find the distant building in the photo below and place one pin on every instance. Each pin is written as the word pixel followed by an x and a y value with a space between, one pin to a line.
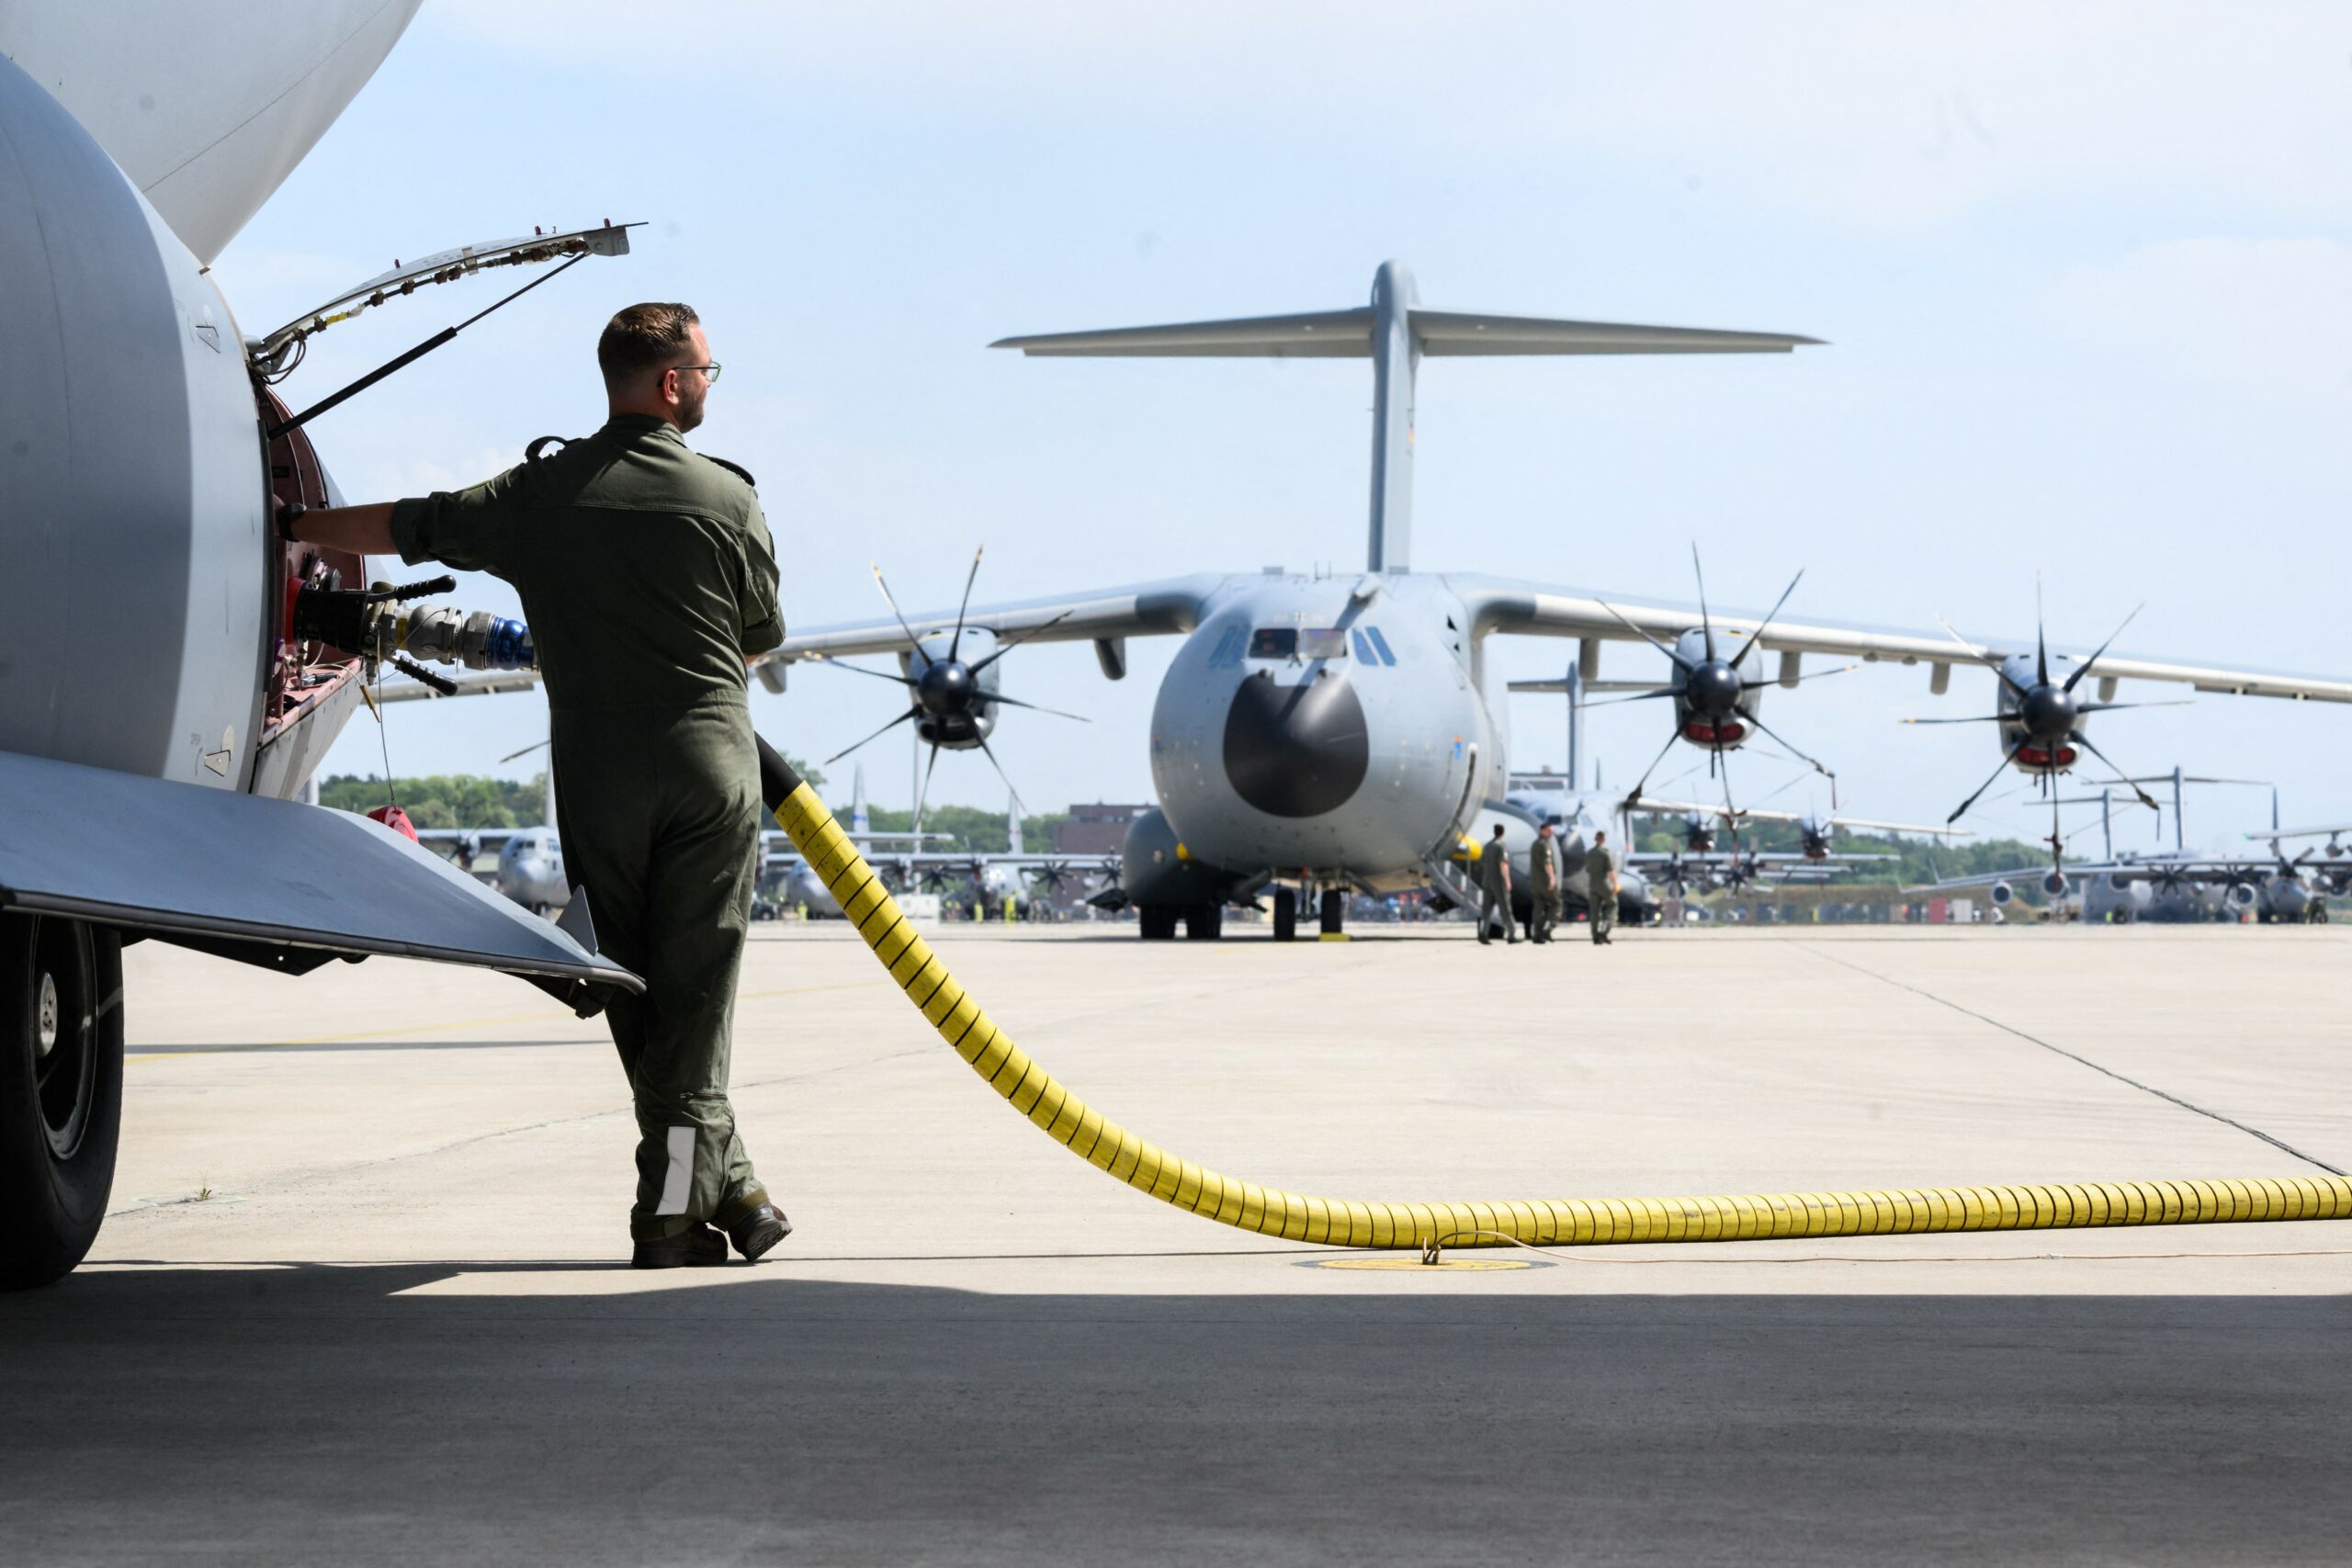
pixel 1094 831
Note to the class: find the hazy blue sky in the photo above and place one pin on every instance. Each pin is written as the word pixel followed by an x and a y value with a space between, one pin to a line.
pixel 2085 271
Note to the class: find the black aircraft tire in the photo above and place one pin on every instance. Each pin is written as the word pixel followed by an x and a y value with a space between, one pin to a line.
pixel 60 1092
pixel 1158 921
pixel 1204 922
pixel 1335 910
pixel 1286 914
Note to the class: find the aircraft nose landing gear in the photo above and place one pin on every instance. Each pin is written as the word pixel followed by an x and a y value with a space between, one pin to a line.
pixel 61 1091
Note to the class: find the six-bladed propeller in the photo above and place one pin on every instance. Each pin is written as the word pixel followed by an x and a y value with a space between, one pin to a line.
pixel 2046 718
pixel 950 701
pixel 1716 708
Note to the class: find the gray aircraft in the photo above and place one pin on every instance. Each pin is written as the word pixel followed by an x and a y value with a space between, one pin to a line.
pixel 1317 734
pixel 170 671
pixel 530 868
pixel 2168 886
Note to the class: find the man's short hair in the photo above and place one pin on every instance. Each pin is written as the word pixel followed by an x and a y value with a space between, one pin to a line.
pixel 644 340
pixel 1600 834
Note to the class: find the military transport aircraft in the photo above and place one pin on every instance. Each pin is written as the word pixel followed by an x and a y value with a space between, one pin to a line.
pixel 2174 886
pixel 1327 733
pixel 172 673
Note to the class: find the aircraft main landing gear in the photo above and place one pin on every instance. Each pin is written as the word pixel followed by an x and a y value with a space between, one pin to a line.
pixel 1286 914
pixel 1204 922
pixel 1157 921
pixel 1335 910
pixel 61 1091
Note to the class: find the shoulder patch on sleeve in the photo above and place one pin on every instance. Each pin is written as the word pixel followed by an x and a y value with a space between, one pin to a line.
pixel 740 471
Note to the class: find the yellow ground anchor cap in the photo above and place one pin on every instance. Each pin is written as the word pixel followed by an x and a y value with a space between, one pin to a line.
pixel 1428 1227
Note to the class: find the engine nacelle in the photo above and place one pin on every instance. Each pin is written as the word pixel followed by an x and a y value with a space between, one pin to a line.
pixel 129 435
pixel 2239 896
pixel 2003 895
pixel 2054 883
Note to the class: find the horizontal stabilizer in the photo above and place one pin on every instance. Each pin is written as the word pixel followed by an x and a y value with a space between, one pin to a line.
pixel 273 881
pixel 1460 333
pixel 1322 334
pixel 1347 335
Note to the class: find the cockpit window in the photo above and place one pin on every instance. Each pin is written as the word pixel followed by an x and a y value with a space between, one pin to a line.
pixel 1322 642
pixel 1298 642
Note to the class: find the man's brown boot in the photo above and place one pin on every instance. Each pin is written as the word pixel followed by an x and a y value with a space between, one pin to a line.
pixel 696 1247
pixel 758 1231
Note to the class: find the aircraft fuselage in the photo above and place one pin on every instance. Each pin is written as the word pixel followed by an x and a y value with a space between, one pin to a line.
pixel 1336 726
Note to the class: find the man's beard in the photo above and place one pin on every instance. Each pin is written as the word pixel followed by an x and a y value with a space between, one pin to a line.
pixel 690 406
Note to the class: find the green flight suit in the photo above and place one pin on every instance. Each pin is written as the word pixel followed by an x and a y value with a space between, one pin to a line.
pixel 1599 898
pixel 1542 871
pixel 1494 890
pixel 647 575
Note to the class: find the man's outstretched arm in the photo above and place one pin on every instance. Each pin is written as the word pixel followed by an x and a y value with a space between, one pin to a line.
pixel 362 530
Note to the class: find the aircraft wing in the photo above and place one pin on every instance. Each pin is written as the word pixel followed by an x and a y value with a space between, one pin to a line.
pixel 2119 871
pixel 1501 605
pixel 470 686
pixel 2026 875
pixel 1751 814
pixel 1143 609
pixel 272 882
pixel 2324 832
pixel 489 840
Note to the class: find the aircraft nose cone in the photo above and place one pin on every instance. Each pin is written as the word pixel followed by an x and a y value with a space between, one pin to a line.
pixel 945 688
pixel 1295 751
pixel 1713 688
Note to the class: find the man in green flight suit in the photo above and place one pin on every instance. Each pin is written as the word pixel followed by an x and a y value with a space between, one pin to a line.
pixel 1494 887
pixel 1544 875
pixel 1600 888
pixel 649 578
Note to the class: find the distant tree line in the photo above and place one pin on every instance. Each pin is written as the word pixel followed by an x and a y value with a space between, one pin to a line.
pixel 1918 861
pixel 467 800
pixel 444 800
pixel 977 828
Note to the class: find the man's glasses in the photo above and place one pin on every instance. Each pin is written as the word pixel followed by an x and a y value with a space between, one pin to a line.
pixel 710 372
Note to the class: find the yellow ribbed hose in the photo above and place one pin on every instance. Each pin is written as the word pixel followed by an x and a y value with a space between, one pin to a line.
pixel 1572 1221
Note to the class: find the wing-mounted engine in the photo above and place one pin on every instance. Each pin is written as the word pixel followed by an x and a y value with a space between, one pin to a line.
pixel 951 677
pixel 1157 871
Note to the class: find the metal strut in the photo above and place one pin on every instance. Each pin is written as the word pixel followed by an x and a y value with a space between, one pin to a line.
pixel 334 399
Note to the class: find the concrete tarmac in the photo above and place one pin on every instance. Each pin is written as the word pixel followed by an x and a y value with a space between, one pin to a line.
pixel 361 1299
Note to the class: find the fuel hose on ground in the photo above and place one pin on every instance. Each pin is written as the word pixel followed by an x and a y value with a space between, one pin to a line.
pixel 1554 1221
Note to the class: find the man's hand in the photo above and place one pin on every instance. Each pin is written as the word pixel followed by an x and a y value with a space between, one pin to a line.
pixel 362 530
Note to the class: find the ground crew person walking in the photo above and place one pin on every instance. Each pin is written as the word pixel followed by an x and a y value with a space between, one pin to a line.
pixel 1494 886
pixel 648 577
pixel 1600 888
pixel 1543 879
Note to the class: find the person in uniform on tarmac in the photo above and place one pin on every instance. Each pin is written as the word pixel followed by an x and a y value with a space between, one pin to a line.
pixel 1494 887
pixel 648 579
pixel 1600 888
pixel 1543 878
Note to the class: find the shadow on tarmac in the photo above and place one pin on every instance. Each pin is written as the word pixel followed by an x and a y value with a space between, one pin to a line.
pixel 319 1415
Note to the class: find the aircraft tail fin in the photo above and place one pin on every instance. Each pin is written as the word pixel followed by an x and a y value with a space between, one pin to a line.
pixel 1394 333
pixel 1012 824
pixel 860 822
